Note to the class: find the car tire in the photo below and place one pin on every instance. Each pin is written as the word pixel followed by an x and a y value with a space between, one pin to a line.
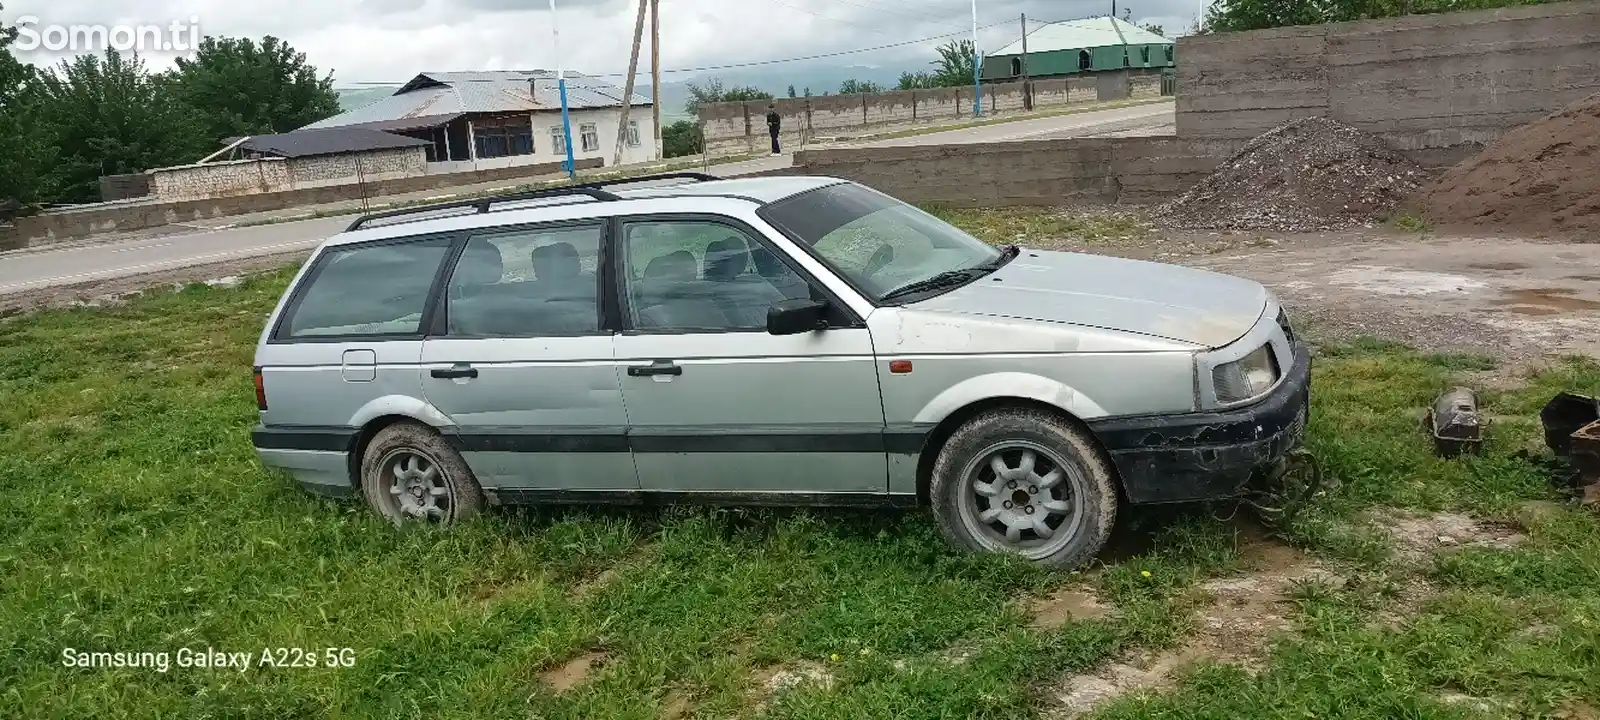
pixel 410 474
pixel 1063 501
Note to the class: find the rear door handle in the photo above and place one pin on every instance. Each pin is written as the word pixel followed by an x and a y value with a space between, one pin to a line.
pixel 459 371
pixel 659 367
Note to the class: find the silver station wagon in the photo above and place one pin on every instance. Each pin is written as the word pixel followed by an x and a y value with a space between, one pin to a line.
pixel 764 341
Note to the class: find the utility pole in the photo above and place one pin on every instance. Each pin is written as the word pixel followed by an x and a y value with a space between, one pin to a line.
pixel 570 166
pixel 627 90
pixel 1027 88
pixel 655 72
pixel 977 66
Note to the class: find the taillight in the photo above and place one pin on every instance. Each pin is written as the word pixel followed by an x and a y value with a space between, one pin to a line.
pixel 261 390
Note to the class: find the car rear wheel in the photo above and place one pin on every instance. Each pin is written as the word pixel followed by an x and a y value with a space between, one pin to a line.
pixel 1024 481
pixel 409 474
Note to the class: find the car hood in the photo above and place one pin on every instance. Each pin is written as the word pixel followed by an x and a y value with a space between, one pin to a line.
pixel 1166 301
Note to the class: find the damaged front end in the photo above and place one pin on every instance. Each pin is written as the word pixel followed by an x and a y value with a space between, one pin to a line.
pixel 1248 452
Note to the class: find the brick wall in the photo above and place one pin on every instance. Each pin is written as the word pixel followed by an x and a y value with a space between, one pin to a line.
pixel 221 179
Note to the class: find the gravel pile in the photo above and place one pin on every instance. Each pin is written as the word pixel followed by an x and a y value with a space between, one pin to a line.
pixel 1303 176
pixel 1541 177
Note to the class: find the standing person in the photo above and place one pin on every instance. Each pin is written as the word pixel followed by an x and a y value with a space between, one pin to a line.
pixel 773 124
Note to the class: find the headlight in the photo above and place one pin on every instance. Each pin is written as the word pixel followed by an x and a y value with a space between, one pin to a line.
pixel 1247 377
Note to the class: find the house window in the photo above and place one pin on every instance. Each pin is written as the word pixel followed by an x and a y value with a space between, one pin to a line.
pixel 591 137
pixel 1144 55
pixel 1169 53
pixel 1085 62
pixel 558 141
pixel 1016 66
pixel 503 137
pixel 633 133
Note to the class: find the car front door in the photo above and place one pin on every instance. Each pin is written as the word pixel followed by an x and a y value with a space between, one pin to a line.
pixel 519 360
pixel 715 404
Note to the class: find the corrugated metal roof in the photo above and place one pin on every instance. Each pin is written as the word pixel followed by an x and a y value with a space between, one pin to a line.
pixel 1080 34
pixel 453 93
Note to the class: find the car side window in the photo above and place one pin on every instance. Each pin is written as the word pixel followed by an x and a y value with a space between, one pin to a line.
pixel 368 290
pixel 533 282
pixel 697 275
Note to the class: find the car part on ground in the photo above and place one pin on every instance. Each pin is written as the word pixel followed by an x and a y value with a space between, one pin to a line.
pixel 1287 488
pixel 1571 425
pixel 1455 423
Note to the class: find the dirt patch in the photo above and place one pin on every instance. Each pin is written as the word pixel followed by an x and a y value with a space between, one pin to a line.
pixel 781 678
pixel 1541 177
pixel 1555 300
pixel 574 672
pixel 1067 604
pixel 1500 266
pixel 1576 710
pixel 1308 174
pixel 1417 537
pixel 676 706
pixel 1232 628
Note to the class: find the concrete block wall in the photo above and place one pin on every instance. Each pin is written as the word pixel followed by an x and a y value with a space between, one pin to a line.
pixel 1035 172
pixel 1422 82
pixel 741 127
pixel 221 179
pixel 349 167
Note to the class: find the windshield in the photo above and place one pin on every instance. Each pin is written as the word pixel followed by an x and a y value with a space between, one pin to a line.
pixel 878 242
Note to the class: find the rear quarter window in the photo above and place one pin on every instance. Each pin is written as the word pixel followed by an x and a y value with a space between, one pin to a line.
pixel 367 290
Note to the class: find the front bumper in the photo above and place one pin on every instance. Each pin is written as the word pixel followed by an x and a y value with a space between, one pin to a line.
pixel 1208 455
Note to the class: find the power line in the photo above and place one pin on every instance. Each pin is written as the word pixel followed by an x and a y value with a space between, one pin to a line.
pixel 757 63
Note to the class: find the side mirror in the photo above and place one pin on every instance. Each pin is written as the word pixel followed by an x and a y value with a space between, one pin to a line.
pixel 793 317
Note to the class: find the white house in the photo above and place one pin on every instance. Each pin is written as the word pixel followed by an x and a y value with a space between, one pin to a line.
pixel 496 119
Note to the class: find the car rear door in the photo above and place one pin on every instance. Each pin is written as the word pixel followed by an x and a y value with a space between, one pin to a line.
pixel 350 333
pixel 519 360
pixel 717 405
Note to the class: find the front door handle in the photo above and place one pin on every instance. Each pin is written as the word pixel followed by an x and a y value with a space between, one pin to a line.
pixel 459 371
pixel 659 367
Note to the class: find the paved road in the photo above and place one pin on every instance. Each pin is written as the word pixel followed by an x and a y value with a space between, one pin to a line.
pixel 183 247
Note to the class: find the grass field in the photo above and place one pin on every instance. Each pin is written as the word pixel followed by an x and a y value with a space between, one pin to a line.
pixel 138 520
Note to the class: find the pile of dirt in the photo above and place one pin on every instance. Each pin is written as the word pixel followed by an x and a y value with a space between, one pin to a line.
pixel 1305 175
pixel 1540 177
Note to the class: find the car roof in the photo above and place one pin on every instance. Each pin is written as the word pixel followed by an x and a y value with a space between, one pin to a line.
pixel 652 196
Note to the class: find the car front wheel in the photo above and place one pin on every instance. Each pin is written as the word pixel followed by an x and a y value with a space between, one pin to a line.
pixel 1024 481
pixel 409 474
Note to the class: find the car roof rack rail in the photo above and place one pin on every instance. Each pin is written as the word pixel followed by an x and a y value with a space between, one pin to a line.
pixel 593 190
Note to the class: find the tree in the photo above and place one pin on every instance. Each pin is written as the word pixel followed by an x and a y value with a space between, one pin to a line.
pixel 680 138
pixel 713 92
pixel 791 91
pixel 917 81
pixel 26 148
pixel 859 87
pixel 955 63
pixel 1154 28
pixel 808 91
pixel 1228 15
pixel 109 116
pixel 244 88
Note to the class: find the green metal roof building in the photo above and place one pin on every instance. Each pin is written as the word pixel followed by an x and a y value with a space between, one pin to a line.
pixel 1081 46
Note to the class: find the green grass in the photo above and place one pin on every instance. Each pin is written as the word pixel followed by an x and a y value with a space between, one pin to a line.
pixel 138 520
pixel 1047 228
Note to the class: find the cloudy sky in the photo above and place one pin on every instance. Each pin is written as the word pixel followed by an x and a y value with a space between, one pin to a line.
pixel 365 41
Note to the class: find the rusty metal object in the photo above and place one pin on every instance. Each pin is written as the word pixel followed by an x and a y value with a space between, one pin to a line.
pixel 1584 451
pixel 1565 415
pixel 1287 489
pixel 1454 421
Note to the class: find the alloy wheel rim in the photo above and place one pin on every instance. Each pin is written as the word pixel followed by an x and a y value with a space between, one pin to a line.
pixel 416 486
pixel 1021 497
